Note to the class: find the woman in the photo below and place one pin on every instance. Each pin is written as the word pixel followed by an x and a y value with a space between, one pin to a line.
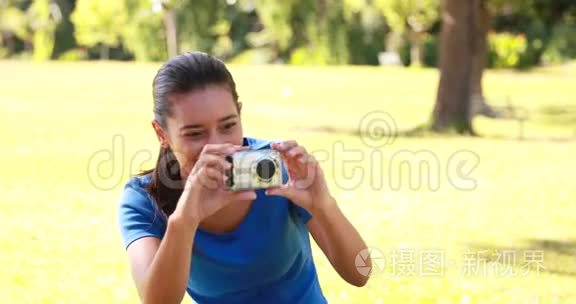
pixel 183 234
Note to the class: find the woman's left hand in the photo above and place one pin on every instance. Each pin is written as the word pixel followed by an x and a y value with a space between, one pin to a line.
pixel 307 185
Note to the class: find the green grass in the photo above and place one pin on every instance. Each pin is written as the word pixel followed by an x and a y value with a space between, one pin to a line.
pixel 58 231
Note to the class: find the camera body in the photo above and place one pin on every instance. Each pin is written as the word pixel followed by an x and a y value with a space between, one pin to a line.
pixel 254 169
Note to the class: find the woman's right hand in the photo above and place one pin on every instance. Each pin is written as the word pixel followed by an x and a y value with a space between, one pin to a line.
pixel 204 191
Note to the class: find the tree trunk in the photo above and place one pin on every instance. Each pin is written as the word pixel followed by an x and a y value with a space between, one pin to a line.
pixel 458 51
pixel 479 106
pixel 104 52
pixel 7 41
pixel 416 49
pixel 171 33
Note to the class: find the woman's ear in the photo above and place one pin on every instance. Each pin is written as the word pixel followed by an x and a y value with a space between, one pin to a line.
pixel 239 107
pixel 160 134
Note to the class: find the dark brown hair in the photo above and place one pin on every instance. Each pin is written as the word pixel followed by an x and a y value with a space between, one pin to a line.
pixel 181 74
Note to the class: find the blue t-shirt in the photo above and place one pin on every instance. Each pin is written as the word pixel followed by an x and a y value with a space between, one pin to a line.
pixel 266 259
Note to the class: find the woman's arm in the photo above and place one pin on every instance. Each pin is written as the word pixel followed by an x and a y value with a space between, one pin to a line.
pixel 161 268
pixel 339 241
pixel 307 188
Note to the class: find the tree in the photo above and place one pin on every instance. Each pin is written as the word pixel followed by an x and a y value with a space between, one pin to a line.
pixel 159 29
pixel 486 9
pixel 535 11
pixel 478 104
pixel 144 34
pixel 44 16
pixel 171 30
pixel 168 8
pixel 197 22
pixel 413 17
pixel 306 31
pixel 99 22
pixel 276 17
pixel 458 54
pixel 13 24
pixel 64 40
pixel 367 31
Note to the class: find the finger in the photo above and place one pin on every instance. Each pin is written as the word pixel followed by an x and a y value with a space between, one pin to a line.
pixel 212 160
pixel 286 191
pixel 284 146
pixel 243 195
pixel 293 152
pixel 296 152
pixel 213 173
pixel 308 159
pixel 299 163
pixel 305 172
pixel 210 178
pixel 222 149
pixel 219 151
pixel 215 148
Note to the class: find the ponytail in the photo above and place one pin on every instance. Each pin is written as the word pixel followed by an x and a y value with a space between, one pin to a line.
pixel 166 184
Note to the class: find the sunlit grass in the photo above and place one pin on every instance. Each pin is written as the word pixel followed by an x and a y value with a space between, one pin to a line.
pixel 58 230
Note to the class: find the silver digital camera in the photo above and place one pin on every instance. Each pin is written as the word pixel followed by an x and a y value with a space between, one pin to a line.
pixel 254 169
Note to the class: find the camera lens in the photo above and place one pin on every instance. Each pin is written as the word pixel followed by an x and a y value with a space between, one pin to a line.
pixel 265 169
pixel 229 175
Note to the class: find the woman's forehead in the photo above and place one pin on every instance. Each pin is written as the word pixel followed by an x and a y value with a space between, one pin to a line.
pixel 204 105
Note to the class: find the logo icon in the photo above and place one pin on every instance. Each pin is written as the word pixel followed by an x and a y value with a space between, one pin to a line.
pixel 378 261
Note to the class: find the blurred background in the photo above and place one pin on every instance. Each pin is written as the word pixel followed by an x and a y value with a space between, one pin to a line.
pixel 446 128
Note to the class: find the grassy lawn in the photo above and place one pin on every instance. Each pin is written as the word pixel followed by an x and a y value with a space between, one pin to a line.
pixel 58 230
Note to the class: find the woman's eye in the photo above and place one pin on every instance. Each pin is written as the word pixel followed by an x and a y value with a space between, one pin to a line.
pixel 193 134
pixel 229 125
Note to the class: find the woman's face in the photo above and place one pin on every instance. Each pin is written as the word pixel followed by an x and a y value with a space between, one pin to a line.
pixel 203 116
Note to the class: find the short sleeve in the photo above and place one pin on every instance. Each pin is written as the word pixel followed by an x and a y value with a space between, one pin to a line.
pixel 137 216
pixel 302 213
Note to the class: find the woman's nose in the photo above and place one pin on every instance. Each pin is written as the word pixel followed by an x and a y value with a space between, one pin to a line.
pixel 215 138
